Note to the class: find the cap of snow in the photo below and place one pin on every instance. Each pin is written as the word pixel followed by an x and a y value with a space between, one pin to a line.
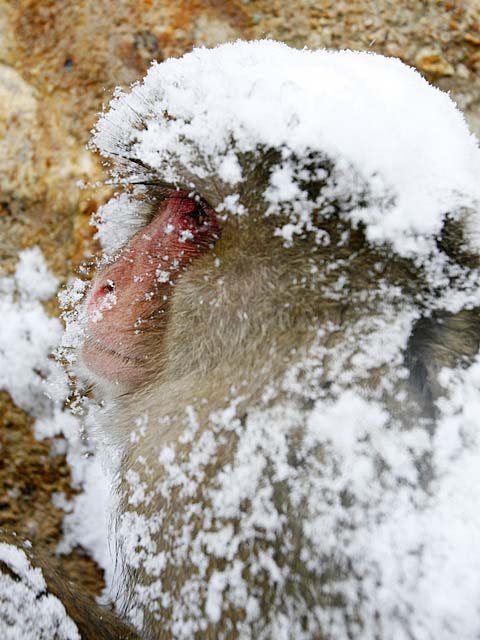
pixel 370 115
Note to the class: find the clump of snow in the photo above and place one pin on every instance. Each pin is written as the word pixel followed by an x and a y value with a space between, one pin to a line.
pixel 87 520
pixel 33 277
pixel 70 300
pixel 117 221
pixel 28 335
pixel 381 124
pixel 27 610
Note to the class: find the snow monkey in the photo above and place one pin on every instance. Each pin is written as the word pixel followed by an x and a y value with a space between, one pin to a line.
pixel 288 297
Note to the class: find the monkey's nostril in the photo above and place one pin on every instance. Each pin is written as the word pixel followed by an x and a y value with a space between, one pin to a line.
pixel 108 287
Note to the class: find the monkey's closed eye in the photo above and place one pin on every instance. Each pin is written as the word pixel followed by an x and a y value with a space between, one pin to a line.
pixel 199 214
pixel 109 286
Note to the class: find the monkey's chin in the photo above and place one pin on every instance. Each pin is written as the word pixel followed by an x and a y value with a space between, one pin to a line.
pixel 109 365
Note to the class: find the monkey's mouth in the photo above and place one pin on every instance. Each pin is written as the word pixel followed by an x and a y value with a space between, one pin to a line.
pixel 103 361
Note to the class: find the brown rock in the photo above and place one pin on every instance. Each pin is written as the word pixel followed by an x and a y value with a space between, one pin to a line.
pixel 432 61
pixel 471 39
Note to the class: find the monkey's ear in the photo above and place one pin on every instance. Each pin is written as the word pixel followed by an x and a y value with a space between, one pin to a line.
pixel 441 340
pixel 444 339
pixel 457 238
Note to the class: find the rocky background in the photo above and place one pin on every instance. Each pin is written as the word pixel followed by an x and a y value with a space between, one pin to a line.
pixel 59 63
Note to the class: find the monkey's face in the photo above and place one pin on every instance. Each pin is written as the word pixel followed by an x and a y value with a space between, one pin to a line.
pixel 130 296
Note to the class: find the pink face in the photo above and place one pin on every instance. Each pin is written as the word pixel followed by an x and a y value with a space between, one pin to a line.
pixel 131 296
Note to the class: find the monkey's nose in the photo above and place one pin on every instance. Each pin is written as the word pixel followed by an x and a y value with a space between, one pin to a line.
pixel 109 286
pixel 103 289
pixel 102 297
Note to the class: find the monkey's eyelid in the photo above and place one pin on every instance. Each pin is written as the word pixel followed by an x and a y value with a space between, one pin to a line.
pixel 199 213
pixel 109 285
pixel 161 186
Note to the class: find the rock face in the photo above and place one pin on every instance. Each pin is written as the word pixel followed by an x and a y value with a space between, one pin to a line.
pixel 59 62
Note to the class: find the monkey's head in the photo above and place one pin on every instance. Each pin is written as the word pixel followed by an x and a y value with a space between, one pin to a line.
pixel 263 201
pixel 291 262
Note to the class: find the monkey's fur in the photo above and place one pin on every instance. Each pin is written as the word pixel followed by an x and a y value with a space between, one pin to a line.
pixel 94 622
pixel 239 320
pixel 248 320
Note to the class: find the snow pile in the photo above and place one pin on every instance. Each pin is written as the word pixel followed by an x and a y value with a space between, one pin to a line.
pixel 38 384
pixel 27 610
pixel 322 476
pixel 381 123
pixel 28 335
pixel 87 514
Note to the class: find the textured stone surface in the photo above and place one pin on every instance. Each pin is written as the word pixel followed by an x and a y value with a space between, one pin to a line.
pixel 60 61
